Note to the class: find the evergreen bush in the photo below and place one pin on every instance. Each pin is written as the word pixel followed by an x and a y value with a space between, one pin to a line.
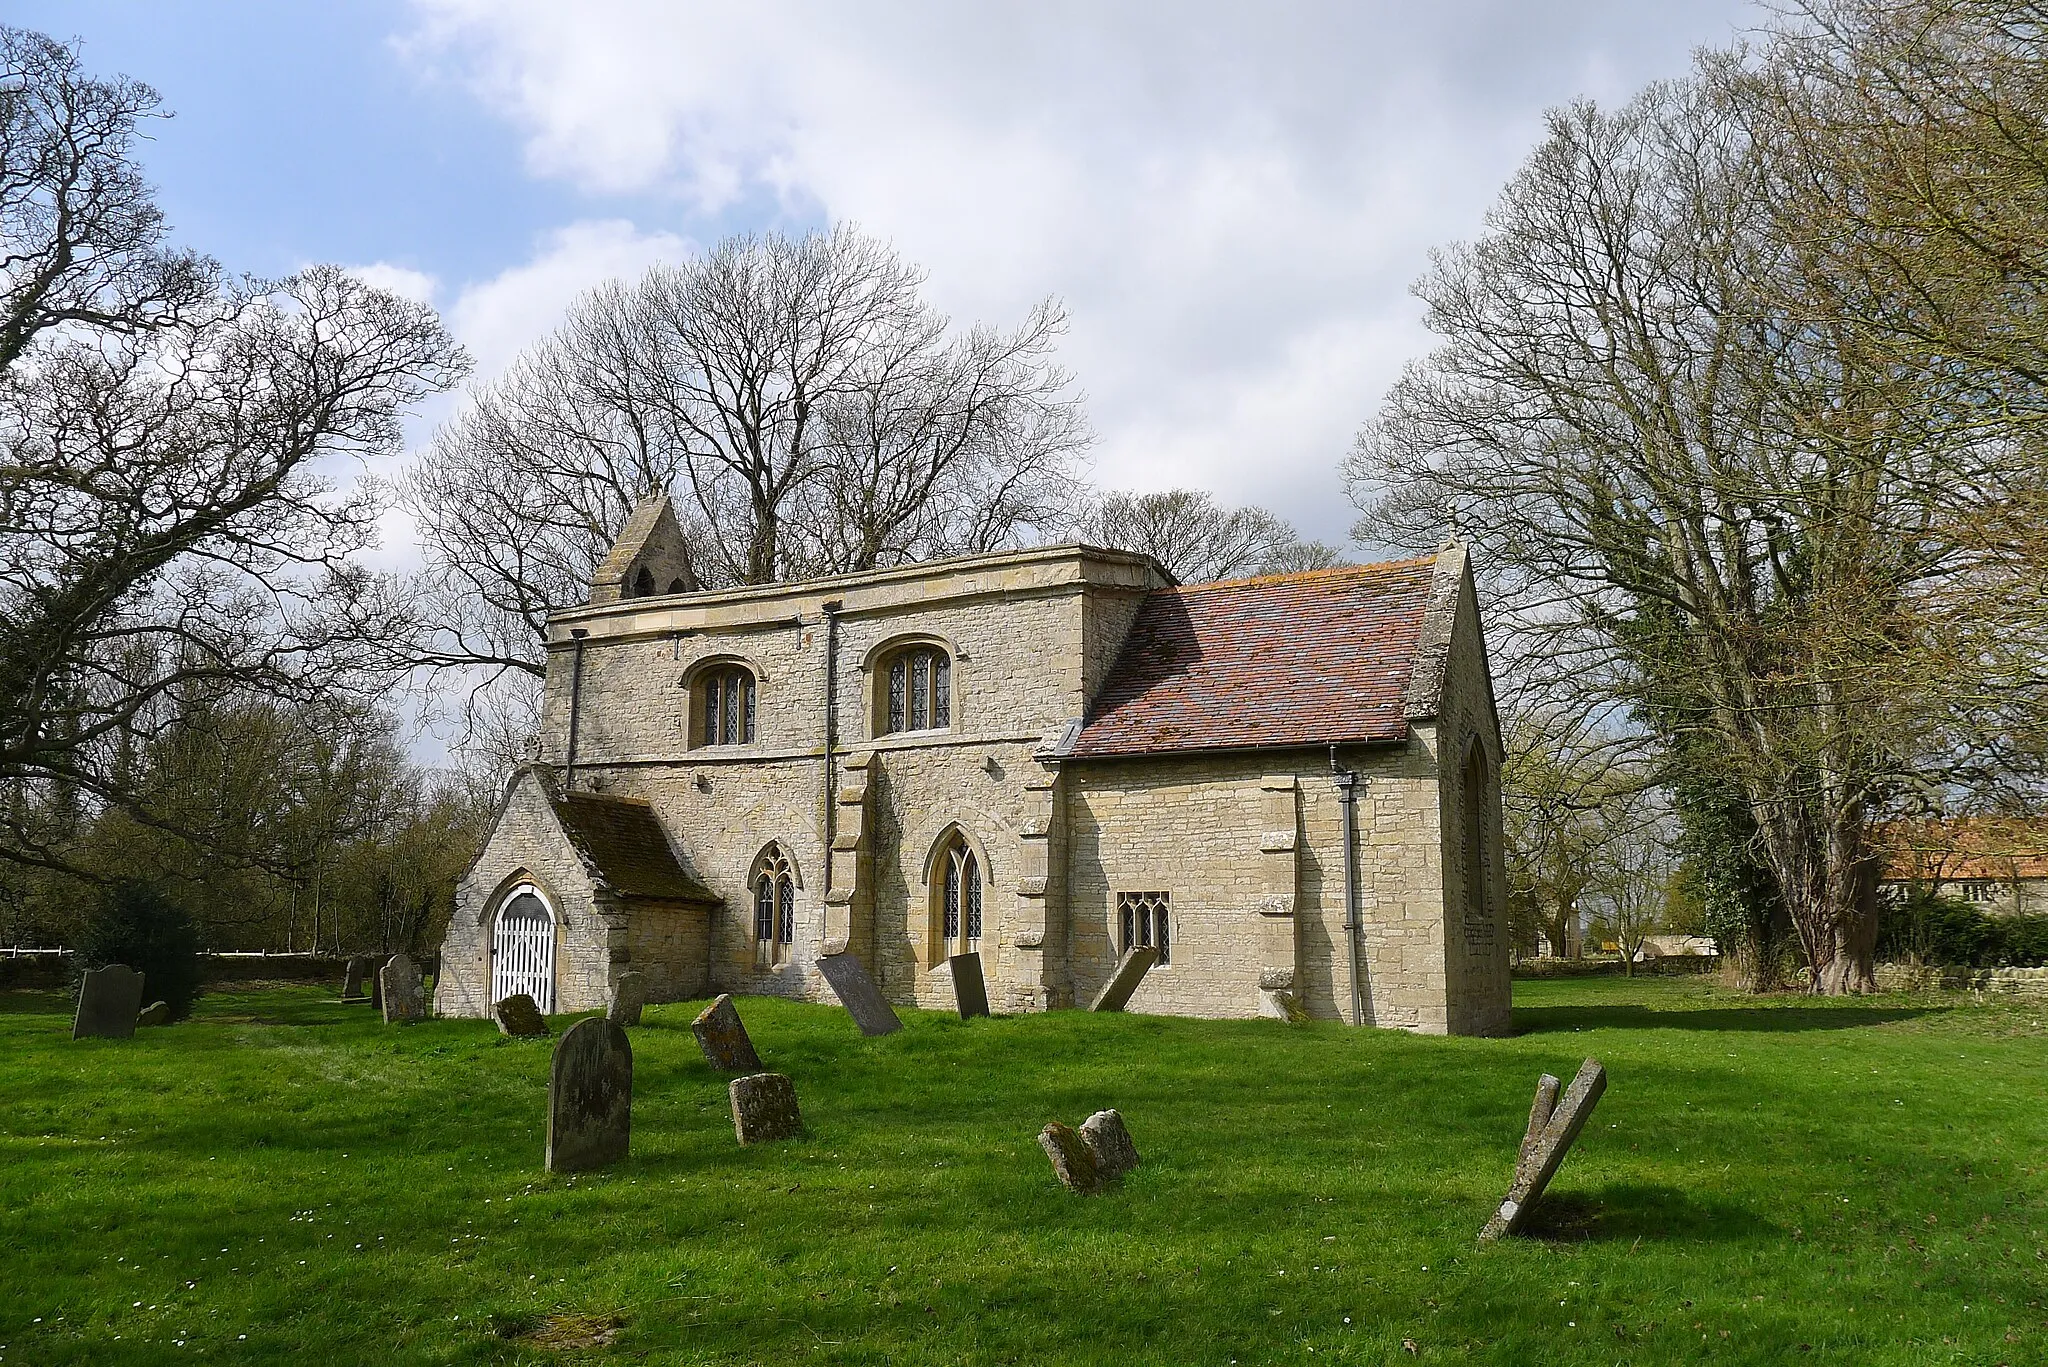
pixel 134 923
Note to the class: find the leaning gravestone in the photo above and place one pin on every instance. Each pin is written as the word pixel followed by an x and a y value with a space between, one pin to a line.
pixel 1089 1159
pixel 518 1017
pixel 723 1037
pixel 764 1108
pixel 590 1097
pixel 1549 1137
pixel 1130 971
pixel 859 995
pixel 109 999
pixel 156 1013
pixel 356 979
pixel 629 995
pixel 404 995
pixel 970 992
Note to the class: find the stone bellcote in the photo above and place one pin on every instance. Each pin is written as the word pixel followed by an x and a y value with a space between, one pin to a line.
pixel 650 557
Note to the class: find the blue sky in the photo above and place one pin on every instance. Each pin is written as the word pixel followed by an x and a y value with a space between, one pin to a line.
pixel 1231 205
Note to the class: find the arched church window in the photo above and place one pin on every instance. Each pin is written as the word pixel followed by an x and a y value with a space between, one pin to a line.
pixel 920 690
pixel 774 908
pixel 959 876
pixel 728 707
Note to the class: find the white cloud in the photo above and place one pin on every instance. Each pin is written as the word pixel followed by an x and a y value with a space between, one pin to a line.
pixel 1231 199
pixel 403 281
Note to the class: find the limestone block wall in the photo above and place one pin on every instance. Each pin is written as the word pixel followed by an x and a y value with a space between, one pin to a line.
pixel 528 846
pixel 669 942
pixel 2031 983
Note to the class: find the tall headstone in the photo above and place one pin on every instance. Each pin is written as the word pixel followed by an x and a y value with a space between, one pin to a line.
pixel 109 999
pixel 764 1108
pixel 590 1097
pixel 518 1017
pixel 629 995
pixel 404 995
pixel 970 992
pixel 723 1037
pixel 1544 1147
pixel 859 995
pixel 1130 971
pixel 355 980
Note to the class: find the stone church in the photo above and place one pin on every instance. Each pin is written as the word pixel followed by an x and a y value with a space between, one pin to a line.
pixel 1287 786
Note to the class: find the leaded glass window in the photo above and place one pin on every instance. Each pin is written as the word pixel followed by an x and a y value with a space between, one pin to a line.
pixel 1142 917
pixel 774 909
pixel 920 690
pixel 959 898
pixel 728 707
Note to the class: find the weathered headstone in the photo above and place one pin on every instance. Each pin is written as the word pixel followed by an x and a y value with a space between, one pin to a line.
pixel 859 995
pixel 156 1013
pixel 1130 971
pixel 590 1097
pixel 355 981
pixel 970 993
pixel 764 1108
pixel 1544 1146
pixel 629 994
pixel 723 1037
pixel 403 995
pixel 109 999
pixel 1116 1153
pixel 517 1016
pixel 1073 1162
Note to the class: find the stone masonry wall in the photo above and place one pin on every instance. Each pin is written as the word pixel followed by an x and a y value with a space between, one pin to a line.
pixel 1476 946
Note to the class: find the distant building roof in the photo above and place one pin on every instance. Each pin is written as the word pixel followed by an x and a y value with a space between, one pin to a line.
pixel 1959 849
pixel 623 846
pixel 1280 661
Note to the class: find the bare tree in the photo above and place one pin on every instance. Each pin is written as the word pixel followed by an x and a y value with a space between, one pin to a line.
pixel 808 410
pixel 1199 541
pixel 1703 505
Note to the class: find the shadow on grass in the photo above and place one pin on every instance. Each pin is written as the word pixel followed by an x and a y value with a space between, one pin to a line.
pixel 1532 1020
pixel 1629 1211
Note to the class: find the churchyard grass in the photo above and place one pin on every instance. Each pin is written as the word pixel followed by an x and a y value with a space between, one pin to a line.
pixel 284 1179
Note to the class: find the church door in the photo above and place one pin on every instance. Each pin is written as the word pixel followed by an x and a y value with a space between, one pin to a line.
pixel 523 951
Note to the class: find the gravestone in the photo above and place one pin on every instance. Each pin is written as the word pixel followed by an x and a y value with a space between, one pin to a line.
pixel 1090 1159
pixel 403 995
pixel 109 999
pixel 1115 1151
pixel 590 1096
pixel 1130 971
pixel 970 993
pixel 156 1013
pixel 629 994
pixel 764 1108
pixel 1551 1131
pixel 723 1037
pixel 355 980
pixel 518 1017
pixel 859 995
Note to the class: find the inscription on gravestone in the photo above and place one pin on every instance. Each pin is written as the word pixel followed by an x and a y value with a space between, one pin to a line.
pixel 970 993
pixel 764 1108
pixel 590 1097
pixel 1130 971
pixel 629 995
pixel 859 995
pixel 404 996
pixel 1549 1137
pixel 723 1037
pixel 517 1016
pixel 109 999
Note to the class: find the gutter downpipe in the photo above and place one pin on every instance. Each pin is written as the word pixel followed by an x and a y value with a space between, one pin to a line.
pixel 575 706
pixel 1347 794
pixel 830 610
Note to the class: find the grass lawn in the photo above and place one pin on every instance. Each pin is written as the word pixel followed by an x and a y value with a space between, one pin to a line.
pixel 281 1179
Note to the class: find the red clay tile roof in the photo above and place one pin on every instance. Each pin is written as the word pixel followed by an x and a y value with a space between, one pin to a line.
pixel 623 839
pixel 1288 660
pixel 1956 849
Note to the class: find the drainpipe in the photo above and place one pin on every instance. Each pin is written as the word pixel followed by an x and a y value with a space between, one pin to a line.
pixel 1347 794
pixel 831 611
pixel 575 706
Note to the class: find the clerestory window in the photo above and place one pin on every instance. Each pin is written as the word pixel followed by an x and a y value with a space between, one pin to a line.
pixel 728 707
pixel 920 690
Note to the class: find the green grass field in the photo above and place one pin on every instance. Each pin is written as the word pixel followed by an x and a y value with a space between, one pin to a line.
pixel 282 1179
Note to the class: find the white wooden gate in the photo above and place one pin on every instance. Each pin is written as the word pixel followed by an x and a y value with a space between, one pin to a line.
pixel 523 951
